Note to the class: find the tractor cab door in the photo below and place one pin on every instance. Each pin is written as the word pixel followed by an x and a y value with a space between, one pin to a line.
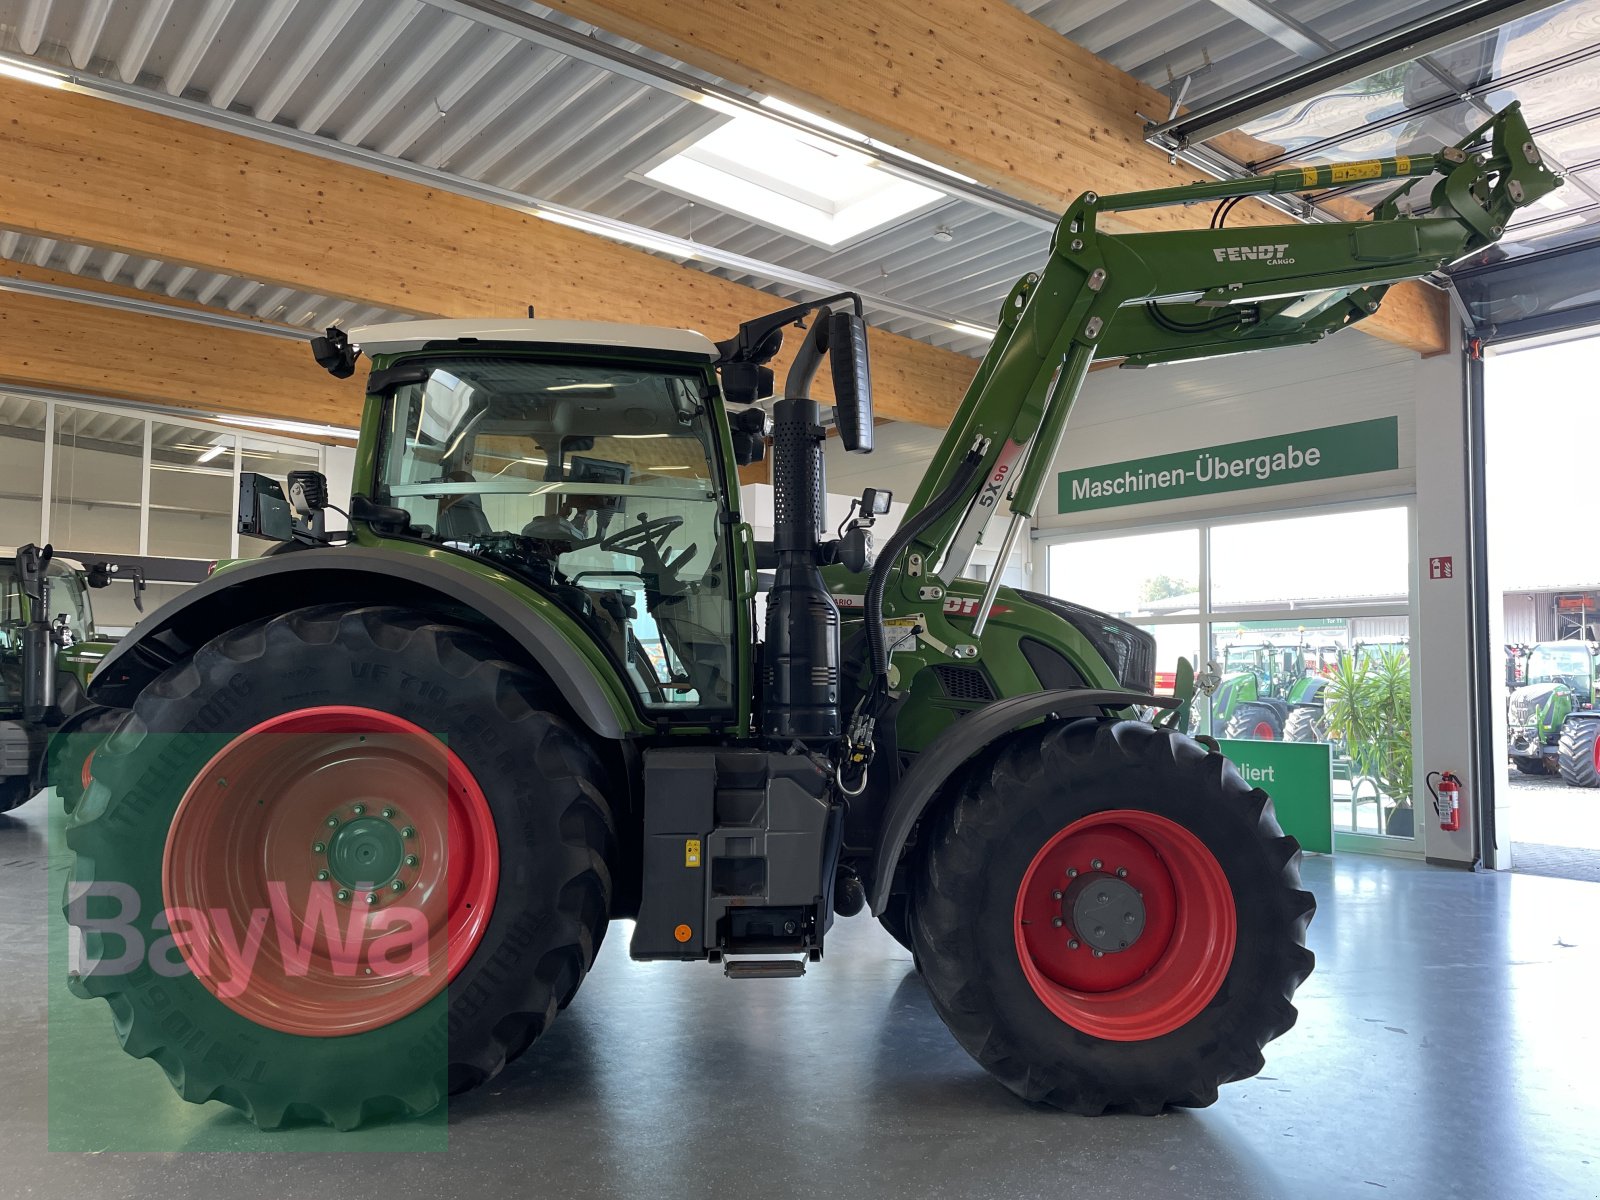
pixel 601 485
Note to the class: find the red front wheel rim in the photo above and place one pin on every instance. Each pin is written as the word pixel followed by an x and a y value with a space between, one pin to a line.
pixel 359 844
pixel 1264 732
pixel 1151 898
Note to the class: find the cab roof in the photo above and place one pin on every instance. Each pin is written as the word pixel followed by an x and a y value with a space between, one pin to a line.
pixel 395 336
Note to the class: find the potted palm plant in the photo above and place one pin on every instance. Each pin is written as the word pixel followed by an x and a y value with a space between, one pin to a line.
pixel 1368 709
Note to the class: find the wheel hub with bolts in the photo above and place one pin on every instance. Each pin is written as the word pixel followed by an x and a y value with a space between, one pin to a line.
pixel 365 850
pixel 1104 911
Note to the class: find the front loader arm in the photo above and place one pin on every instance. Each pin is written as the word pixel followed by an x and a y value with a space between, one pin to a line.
pixel 1190 294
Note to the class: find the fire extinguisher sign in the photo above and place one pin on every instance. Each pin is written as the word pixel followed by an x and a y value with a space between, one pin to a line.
pixel 1441 566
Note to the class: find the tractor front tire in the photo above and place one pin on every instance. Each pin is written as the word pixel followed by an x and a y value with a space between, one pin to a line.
pixel 1304 725
pixel 323 767
pixel 1254 721
pixel 1580 752
pixel 1071 838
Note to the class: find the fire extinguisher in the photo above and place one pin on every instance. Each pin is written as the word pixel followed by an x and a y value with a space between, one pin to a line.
pixel 1447 799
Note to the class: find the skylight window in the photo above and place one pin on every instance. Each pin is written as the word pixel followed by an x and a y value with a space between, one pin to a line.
pixel 791 181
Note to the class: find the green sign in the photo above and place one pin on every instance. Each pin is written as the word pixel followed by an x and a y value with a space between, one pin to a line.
pixel 1299 778
pixel 1336 450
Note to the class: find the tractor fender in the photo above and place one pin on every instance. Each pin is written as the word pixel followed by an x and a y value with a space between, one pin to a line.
pixel 966 738
pixel 357 575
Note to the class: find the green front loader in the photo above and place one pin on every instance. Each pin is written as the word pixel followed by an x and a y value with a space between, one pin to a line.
pixel 550 679
pixel 1553 712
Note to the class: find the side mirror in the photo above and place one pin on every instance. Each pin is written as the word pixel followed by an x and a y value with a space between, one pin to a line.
pixel 746 382
pixel 750 429
pixel 852 381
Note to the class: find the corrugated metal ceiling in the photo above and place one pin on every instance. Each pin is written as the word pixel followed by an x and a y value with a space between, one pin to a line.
pixel 407 79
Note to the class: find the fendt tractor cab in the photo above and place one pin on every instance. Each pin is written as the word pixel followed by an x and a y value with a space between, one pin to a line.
pixel 527 694
pixel 1553 712
pixel 49 649
pixel 1253 695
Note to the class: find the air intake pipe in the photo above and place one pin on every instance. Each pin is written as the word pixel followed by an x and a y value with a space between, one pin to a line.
pixel 802 645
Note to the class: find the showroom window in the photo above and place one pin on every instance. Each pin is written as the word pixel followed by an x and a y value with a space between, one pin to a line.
pixel 1307 617
pixel 118 481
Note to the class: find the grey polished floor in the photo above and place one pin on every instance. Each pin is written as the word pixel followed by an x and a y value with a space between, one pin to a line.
pixel 1446 1048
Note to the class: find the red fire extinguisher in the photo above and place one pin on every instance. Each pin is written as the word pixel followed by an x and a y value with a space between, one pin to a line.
pixel 1447 799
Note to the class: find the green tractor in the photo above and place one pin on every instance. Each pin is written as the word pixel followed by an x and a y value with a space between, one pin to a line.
pixel 420 767
pixel 45 667
pixel 1553 712
pixel 1266 694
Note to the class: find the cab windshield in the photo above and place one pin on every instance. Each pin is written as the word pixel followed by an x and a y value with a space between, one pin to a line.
pixel 597 485
pixel 1560 664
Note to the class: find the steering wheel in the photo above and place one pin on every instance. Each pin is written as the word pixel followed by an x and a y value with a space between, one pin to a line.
pixel 648 536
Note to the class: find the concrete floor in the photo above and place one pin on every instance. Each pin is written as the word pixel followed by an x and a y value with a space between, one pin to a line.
pixel 1446 1048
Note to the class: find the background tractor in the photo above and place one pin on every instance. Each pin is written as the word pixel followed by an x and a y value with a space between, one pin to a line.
pixel 526 695
pixel 1262 687
pixel 49 648
pixel 1552 722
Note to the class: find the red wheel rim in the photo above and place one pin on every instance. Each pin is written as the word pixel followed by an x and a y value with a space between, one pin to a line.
pixel 86 772
pixel 280 830
pixel 1174 963
pixel 1264 731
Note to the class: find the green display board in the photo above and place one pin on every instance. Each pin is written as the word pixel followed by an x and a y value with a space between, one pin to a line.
pixel 1358 448
pixel 1299 778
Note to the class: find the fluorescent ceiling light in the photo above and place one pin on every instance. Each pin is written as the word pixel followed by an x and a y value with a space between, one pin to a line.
pixel 214 452
pixel 636 436
pixel 666 468
pixel 16 70
pixel 977 331
pixel 792 181
pixel 277 426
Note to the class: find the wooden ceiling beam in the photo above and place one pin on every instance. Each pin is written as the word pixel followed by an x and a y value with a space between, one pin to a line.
pixel 66 345
pixel 979 87
pixel 83 169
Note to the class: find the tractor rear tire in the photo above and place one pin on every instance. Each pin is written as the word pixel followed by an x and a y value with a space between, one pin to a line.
pixel 1529 765
pixel 345 712
pixel 1580 752
pixel 1254 721
pixel 1304 725
pixel 1043 822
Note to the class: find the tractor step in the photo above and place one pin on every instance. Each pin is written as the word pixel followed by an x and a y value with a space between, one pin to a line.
pixel 765 968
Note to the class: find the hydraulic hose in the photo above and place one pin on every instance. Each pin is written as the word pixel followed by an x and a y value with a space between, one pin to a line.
pixel 878 581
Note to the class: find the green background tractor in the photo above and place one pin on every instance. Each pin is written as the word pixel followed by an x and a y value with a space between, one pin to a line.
pixel 1263 687
pixel 529 694
pixel 49 649
pixel 1551 720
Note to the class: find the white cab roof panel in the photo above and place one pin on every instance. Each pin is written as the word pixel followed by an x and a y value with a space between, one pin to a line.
pixel 394 336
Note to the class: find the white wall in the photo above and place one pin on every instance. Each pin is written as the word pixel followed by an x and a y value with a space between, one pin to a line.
pixel 1134 414
pixel 1352 377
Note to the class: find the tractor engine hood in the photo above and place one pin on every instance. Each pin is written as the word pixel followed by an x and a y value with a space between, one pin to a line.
pixel 1526 702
